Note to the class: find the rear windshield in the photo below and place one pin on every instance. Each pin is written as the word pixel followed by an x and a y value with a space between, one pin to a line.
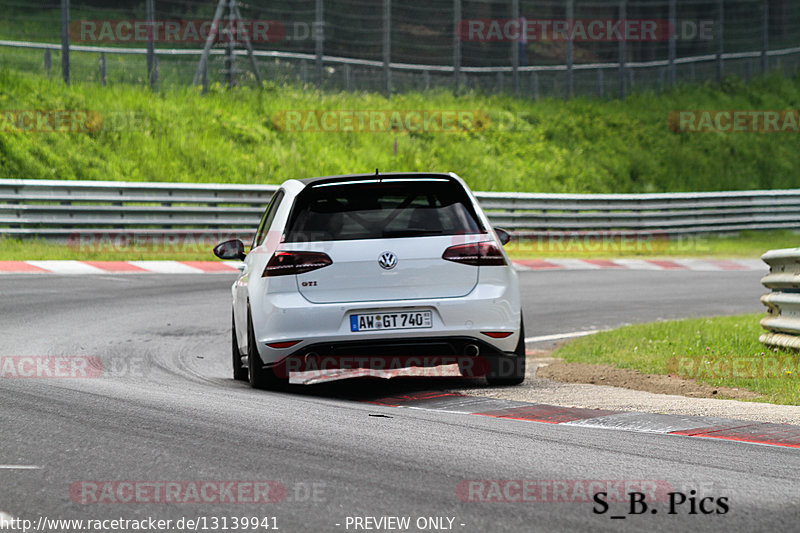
pixel 380 209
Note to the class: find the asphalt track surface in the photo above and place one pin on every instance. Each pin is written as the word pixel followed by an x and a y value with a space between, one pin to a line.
pixel 165 409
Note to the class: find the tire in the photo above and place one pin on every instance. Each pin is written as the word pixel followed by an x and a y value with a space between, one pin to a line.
pixel 507 370
pixel 260 377
pixel 239 370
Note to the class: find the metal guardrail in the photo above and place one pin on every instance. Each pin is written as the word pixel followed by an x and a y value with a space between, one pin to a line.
pixel 63 208
pixel 414 67
pixel 783 303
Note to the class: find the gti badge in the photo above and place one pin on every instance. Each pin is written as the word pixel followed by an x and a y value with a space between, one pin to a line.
pixel 387 260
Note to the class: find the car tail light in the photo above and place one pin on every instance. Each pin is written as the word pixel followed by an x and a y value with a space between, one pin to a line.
pixel 476 254
pixel 497 334
pixel 287 263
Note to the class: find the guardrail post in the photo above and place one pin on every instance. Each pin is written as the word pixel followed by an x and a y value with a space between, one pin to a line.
pixel 48 60
pixel 318 33
pixel 623 50
pixel 103 68
pixel 720 37
pixel 387 46
pixel 457 45
pixel 535 84
pixel 673 20
pixel 765 36
pixel 65 40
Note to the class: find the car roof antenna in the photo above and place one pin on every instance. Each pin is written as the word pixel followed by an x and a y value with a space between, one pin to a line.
pixel 376 172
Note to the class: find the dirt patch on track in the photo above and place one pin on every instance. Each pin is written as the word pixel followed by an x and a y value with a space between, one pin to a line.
pixel 559 370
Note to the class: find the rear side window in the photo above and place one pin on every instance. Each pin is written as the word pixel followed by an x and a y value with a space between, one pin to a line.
pixel 266 220
pixel 379 209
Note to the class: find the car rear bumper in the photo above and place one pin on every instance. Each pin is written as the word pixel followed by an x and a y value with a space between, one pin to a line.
pixel 324 329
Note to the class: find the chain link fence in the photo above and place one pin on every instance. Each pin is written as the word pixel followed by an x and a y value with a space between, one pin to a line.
pixel 528 48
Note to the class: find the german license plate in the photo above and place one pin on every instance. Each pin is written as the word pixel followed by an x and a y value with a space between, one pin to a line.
pixel 397 320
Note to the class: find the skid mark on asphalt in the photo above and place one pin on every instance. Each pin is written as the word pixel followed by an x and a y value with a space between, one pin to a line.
pixel 783 435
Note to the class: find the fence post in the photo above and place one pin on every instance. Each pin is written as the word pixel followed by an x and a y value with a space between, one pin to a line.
pixel 673 20
pixel 457 44
pixel 570 49
pixel 387 46
pixel 600 83
pixel 230 55
pixel 720 37
pixel 103 68
pixel 623 50
pixel 319 35
pixel 515 49
pixel 765 37
pixel 535 84
pixel 150 16
pixel 65 40
pixel 48 60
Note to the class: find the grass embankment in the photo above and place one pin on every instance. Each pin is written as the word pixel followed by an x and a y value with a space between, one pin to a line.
pixel 722 352
pixel 237 136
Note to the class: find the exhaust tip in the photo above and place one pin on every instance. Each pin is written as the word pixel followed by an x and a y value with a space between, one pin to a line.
pixel 471 350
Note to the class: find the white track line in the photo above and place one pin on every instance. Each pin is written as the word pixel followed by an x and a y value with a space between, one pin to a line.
pixel 559 336
pixel 20 467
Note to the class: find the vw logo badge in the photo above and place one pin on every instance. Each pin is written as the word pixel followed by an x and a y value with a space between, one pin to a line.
pixel 387 260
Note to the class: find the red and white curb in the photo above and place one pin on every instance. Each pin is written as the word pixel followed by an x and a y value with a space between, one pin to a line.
pixel 707 265
pixel 118 267
pixel 228 267
pixel 783 435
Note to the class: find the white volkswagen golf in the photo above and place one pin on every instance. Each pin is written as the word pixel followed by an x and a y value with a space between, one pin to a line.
pixel 377 271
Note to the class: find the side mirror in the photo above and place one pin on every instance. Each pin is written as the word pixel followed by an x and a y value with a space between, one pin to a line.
pixel 233 249
pixel 503 235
